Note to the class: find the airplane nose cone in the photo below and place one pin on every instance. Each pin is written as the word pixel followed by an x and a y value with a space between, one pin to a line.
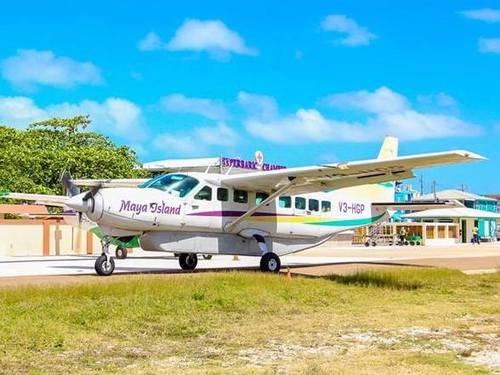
pixel 77 203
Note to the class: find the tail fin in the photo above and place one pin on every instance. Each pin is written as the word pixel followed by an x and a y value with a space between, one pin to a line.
pixel 389 148
pixel 69 188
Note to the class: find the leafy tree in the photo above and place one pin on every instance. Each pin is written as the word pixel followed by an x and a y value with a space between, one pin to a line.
pixel 32 160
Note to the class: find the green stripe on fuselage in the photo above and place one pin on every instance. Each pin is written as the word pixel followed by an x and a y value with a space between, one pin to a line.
pixel 349 223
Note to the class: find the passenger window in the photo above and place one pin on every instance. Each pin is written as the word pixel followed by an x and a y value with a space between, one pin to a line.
pixel 204 194
pixel 326 206
pixel 313 205
pixel 240 196
pixel 300 203
pixel 285 202
pixel 222 194
pixel 260 197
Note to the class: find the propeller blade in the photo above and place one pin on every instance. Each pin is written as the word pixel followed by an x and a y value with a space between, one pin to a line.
pixel 92 192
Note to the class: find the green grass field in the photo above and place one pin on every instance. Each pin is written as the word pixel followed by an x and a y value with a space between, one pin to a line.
pixel 411 321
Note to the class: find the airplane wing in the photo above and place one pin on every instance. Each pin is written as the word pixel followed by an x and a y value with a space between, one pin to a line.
pixel 123 182
pixel 345 174
pixel 47 200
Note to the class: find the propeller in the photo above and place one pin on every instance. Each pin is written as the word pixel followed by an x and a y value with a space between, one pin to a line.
pixel 92 192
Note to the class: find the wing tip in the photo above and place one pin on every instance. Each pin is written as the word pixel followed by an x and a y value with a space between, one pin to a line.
pixel 471 155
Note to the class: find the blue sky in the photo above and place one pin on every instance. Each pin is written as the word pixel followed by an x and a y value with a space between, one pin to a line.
pixel 303 81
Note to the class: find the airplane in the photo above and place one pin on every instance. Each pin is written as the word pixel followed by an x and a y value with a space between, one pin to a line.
pixel 266 214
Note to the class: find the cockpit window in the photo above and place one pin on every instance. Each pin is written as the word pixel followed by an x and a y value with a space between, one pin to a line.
pixel 178 184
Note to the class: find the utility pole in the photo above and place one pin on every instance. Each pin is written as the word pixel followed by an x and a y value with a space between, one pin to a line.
pixel 434 190
pixel 421 180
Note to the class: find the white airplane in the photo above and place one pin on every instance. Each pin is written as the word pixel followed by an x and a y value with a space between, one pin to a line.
pixel 264 213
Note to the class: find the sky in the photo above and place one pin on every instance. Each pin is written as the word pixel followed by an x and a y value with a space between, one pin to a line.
pixel 306 82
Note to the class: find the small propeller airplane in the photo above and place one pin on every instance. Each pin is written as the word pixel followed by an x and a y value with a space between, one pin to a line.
pixel 263 213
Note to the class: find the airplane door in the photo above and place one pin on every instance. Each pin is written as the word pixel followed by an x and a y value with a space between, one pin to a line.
pixel 299 209
pixel 200 209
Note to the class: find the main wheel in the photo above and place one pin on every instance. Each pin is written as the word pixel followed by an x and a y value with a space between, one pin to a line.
pixel 121 252
pixel 270 262
pixel 188 262
pixel 207 256
pixel 103 267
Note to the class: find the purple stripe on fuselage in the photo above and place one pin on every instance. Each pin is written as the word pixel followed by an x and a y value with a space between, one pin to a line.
pixel 234 213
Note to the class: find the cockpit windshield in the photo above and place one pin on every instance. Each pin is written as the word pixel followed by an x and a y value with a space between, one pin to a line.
pixel 177 184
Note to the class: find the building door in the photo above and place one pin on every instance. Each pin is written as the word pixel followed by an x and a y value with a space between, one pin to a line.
pixel 464 231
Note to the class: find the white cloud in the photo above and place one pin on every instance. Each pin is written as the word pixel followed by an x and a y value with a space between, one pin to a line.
pixel 489 45
pixel 30 68
pixel 260 105
pixel 355 35
pixel 114 116
pixel 440 99
pixel 387 112
pixel 150 42
pixel 382 100
pixel 178 103
pixel 198 140
pixel 484 14
pixel 211 36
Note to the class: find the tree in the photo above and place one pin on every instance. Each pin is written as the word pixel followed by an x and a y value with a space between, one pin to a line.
pixel 32 160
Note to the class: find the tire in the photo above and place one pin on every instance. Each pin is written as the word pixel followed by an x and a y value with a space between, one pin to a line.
pixel 188 261
pixel 374 244
pixel 121 252
pixel 418 243
pixel 207 256
pixel 270 262
pixel 412 243
pixel 102 267
pixel 367 243
pixel 406 243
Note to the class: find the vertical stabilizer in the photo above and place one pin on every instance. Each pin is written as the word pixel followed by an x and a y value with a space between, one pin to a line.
pixel 389 148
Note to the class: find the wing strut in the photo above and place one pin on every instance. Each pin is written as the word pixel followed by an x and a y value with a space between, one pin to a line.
pixel 231 225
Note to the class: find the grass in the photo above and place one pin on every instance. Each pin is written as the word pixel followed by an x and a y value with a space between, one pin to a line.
pixel 370 322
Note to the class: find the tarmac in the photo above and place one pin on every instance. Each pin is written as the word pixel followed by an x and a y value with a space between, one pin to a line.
pixel 326 259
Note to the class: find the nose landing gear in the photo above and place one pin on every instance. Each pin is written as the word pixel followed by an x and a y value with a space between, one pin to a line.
pixel 104 264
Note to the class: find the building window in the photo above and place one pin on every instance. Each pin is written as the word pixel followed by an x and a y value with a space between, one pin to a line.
pixel 260 197
pixel 300 203
pixel 326 206
pixel 285 202
pixel 313 205
pixel 205 194
pixel 240 196
pixel 222 194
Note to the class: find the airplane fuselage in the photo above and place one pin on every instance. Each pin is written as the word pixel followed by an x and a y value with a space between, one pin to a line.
pixel 163 218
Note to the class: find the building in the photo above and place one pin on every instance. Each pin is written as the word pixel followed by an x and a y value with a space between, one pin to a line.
pixel 464 218
pixel 487 224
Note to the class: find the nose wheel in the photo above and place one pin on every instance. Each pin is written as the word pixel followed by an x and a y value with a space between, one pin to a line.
pixel 104 264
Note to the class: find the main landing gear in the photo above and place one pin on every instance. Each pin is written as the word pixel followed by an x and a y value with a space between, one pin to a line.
pixel 270 262
pixel 188 261
pixel 105 265
pixel 121 252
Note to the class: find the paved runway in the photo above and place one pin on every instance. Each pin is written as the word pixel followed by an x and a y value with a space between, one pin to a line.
pixel 320 261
